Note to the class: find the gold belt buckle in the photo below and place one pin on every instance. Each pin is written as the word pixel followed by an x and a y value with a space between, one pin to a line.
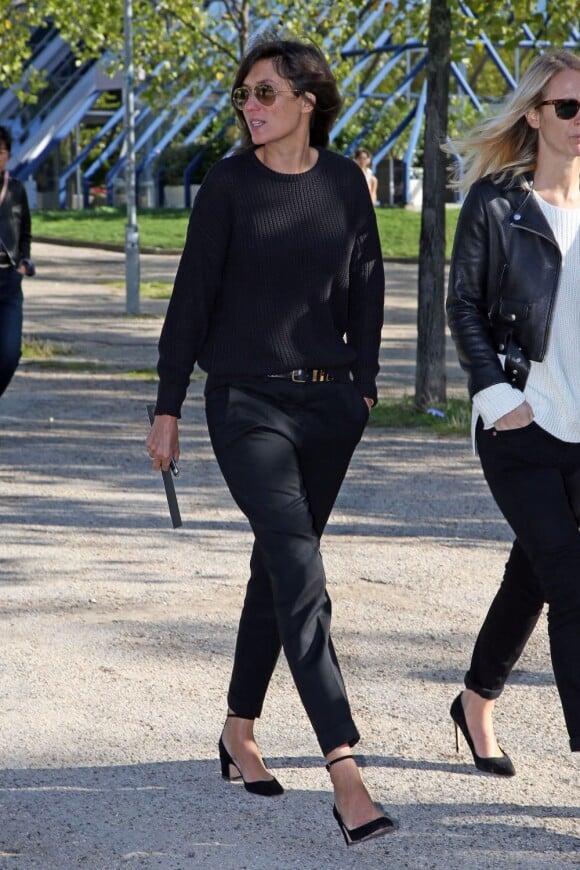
pixel 313 376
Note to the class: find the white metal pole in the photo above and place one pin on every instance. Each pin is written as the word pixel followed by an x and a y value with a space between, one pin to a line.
pixel 131 229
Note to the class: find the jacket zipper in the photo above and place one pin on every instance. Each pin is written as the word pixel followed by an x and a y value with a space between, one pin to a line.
pixel 518 226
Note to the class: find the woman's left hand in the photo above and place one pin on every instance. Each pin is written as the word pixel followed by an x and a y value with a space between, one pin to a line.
pixel 369 402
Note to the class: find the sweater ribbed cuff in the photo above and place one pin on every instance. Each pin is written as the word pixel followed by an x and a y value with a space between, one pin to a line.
pixel 495 401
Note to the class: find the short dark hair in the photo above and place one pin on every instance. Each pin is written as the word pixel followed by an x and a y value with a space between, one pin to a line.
pixel 5 138
pixel 306 68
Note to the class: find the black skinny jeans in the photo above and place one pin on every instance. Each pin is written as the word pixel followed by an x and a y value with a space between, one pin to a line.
pixel 10 324
pixel 284 450
pixel 535 481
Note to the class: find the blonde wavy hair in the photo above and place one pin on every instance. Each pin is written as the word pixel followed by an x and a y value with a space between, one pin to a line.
pixel 505 145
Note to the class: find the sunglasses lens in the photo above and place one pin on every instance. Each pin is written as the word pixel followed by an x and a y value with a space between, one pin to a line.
pixel 240 97
pixel 566 109
pixel 265 94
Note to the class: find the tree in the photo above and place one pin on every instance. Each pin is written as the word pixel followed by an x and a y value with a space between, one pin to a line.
pixel 430 379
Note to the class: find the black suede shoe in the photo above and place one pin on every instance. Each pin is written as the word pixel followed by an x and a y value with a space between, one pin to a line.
pixel 263 787
pixel 376 828
pixel 501 766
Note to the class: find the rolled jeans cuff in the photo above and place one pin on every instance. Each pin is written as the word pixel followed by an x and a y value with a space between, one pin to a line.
pixel 488 694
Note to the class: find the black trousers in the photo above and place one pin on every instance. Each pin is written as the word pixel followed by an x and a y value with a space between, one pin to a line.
pixel 284 449
pixel 535 480
pixel 10 324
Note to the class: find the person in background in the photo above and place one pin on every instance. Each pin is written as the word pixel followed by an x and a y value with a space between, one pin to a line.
pixel 514 313
pixel 15 240
pixel 279 296
pixel 363 159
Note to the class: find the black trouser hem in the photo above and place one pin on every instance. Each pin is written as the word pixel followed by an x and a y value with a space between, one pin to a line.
pixel 239 708
pixel 338 736
pixel 488 694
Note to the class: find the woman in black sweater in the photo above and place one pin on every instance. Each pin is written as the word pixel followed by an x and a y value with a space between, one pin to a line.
pixel 279 297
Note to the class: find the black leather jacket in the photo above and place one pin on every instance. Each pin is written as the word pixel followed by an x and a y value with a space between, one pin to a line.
pixel 15 227
pixel 504 275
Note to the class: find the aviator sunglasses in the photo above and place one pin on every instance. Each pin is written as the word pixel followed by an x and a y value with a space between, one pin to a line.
pixel 264 93
pixel 565 109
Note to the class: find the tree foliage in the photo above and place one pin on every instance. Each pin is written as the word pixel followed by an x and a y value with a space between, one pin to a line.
pixel 182 42
pixel 177 42
pixel 178 39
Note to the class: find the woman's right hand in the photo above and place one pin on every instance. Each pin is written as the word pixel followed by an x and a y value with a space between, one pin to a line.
pixel 517 419
pixel 163 441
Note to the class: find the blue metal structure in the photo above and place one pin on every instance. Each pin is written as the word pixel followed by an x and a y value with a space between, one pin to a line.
pixel 385 80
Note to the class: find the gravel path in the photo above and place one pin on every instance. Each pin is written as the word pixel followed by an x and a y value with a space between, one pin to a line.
pixel 118 632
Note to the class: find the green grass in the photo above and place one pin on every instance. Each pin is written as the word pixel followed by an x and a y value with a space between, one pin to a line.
pixel 158 228
pixel 45 354
pixel 403 414
pixel 399 228
pixel 67 365
pixel 142 375
pixel 148 289
pixel 42 349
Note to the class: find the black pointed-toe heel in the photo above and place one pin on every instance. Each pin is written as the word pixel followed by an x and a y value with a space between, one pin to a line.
pixel 500 766
pixel 263 787
pixel 377 828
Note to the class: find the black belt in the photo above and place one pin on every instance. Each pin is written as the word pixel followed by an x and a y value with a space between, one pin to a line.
pixel 305 376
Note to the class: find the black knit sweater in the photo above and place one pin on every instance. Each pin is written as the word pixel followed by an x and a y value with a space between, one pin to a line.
pixel 278 272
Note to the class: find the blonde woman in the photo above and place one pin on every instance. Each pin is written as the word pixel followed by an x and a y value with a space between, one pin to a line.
pixel 514 314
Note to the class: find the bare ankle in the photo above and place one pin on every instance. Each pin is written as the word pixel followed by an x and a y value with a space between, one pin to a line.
pixel 474 703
